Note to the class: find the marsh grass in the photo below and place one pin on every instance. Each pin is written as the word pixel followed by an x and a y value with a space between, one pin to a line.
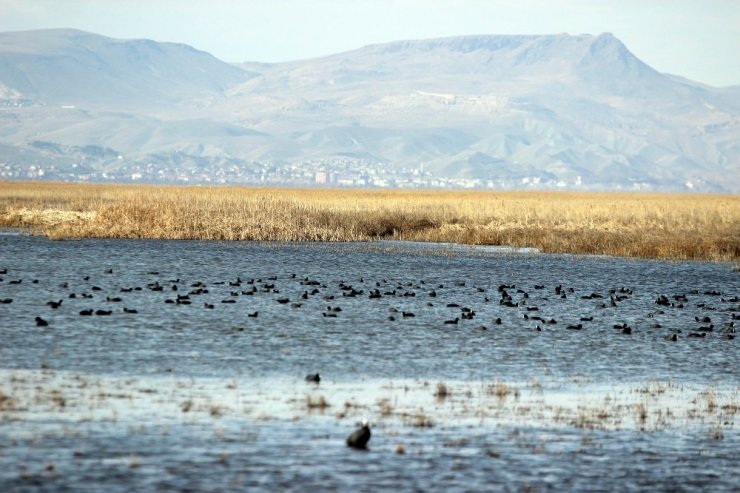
pixel 319 403
pixel 619 224
pixel 442 391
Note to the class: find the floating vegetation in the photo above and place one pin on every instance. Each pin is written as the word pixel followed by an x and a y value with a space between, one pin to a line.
pixel 319 402
pixel 442 391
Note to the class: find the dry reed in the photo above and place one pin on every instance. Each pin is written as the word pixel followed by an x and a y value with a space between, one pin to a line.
pixel 619 224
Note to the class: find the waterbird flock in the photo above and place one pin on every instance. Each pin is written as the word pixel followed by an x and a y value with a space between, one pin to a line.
pixel 538 308
pixel 455 305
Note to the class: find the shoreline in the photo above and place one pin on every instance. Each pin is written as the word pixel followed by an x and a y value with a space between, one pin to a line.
pixel 625 225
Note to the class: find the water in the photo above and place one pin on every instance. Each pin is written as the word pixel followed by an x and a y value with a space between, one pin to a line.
pixel 187 397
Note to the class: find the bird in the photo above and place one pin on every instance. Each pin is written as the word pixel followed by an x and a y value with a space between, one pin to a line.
pixel 313 378
pixel 40 322
pixel 359 438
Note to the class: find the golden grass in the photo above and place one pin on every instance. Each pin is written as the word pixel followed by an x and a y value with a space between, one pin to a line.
pixel 620 224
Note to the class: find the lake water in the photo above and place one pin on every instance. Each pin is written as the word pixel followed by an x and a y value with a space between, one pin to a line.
pixel 561 373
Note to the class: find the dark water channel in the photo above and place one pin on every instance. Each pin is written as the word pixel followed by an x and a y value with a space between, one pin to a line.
pixel 560 373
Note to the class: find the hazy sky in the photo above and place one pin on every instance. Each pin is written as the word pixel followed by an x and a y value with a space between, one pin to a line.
pixel 698 39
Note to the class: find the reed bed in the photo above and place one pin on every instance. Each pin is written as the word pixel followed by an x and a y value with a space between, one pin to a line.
pixel 620 224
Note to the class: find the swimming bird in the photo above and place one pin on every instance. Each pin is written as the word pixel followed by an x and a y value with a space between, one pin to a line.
pixel 359 438
pixel 40 322
pixel 313 378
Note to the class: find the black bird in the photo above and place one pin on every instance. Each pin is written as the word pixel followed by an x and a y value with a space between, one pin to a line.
pixel 54 304
pixel 313 378
pixel 86 313
pixel 40 322
pixel 253 314
pixel 359 438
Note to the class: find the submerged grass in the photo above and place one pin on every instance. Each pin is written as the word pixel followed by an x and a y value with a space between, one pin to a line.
pixel 620 224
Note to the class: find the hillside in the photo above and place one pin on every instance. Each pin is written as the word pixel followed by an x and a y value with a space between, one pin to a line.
pixel 550 111
pixel 65 66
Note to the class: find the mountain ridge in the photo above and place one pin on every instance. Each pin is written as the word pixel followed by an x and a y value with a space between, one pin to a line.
pixel 557 111
pixel 98 65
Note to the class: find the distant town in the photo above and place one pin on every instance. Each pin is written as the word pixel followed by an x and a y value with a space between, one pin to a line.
pixel 330 172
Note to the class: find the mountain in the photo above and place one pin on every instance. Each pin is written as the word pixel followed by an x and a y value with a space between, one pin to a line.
pixel 547 111
pixel 64 66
